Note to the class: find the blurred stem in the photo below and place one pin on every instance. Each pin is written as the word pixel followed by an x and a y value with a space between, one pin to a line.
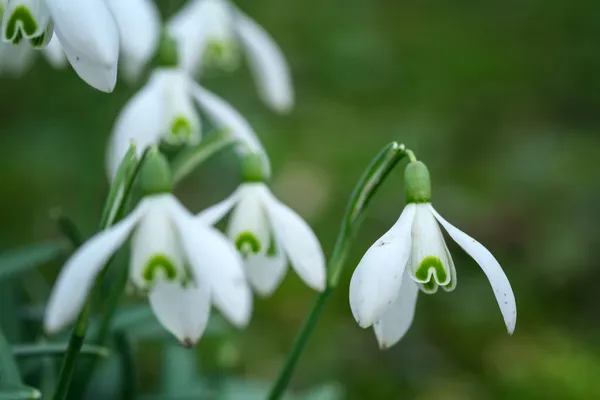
pixel 9 372
pixel 54 349
pixel 371 180
pixel 78 334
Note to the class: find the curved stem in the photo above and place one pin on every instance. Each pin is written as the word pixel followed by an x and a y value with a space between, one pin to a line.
pixel 371 180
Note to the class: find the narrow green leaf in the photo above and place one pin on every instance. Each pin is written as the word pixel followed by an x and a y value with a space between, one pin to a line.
pixel 125 352
pixel 13 262
pixel 116 191
pixel 11 385
pixel 190 158
pixel 55 350
pixel 18 392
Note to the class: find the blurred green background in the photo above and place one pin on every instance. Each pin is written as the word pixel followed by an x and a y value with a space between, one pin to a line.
pixel 500 99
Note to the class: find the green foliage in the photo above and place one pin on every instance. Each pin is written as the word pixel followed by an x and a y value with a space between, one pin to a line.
pixel 21 260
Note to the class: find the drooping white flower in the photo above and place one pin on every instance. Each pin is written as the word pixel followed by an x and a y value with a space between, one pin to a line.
pixel 164 110
pixel 139 27
pixel 209 33
pixel 86 30
pixel 182 265
pixel 269 235
pixel 411 257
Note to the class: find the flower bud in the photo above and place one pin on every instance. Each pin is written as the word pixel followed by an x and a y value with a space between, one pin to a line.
pixel 253 168
pixel 155 174
pixel 417 184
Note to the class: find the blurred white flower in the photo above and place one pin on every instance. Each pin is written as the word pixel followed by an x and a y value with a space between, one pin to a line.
pixel 164 110
pixel 183 265
pixel 139 27
pixel 413 256
pixel 86 30
pixel 269 234
pixel 209 34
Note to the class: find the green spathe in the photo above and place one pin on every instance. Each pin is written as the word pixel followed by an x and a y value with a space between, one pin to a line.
pixel 417 183
pixel 155 175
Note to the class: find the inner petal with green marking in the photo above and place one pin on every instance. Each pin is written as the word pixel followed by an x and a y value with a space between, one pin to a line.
pixel 21 22
pixel 247 243
pixel 223 54
pixel 431 273
pixel 160 266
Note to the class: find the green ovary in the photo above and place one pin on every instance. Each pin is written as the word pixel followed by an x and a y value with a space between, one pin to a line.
pixel 28 24
pixel 439 273
pixel 160 262
pixel 247 243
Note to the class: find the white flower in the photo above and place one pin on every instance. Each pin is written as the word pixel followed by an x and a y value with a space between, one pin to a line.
pixel 16 59
pixel 209 32
pixel 139 27
pixel 86 30
pixel 412 255
pixel 268 233
pixel 164 110
pixel 183 265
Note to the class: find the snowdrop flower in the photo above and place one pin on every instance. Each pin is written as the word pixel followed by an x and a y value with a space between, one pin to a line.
pixel 268 233
pixel 139 27
pixel 209 34
pixel 16 59
pixel 86 29
pixel 184 266
pixel 411 257
pixel 164 110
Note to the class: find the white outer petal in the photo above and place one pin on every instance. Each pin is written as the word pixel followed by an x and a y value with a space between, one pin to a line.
pixel 77 276
pixel 138 22
pixel 265 272
pixel 267 63
pixel 398 318
pixel 215 260
pixel 491 268
pixel 55 54
pixel 224 116
pixel 182 311
pixel 298 241
pixel 217 212
pixel 186 28
pixel 376 281
pixel 141 120
pixel 89 36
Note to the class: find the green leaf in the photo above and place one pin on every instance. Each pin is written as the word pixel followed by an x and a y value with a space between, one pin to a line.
pixel 55 350
pixel 187 160
pixel 18 392
pixel 179 369
pixel 13 262
pixel 113 201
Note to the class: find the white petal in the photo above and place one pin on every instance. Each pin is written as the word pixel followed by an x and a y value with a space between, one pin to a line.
pixel 491 268
pixel 77 276
pixel 224 116
pixel 182 311
pixel 215 213
pixel 248 218
pixel 15 59
pixel 15 27
pixel 396 321
pixel 141 121
pixel 214 260
pixel 89 36
pixel 265 271
pixel 55 54
pixel 376 281
pixel 268 64
pixel 186 27
pixel 156 236
pixel 138 22
pixel 297 240
pixel 429 264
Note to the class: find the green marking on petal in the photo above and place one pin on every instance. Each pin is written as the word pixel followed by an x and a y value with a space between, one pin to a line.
pixel 160 262
pixel 247 243
pixel 181 129
pixel 38 41
pixel 272 250
pixel 428 263
pixel 429 287
pixel 28 24
pixel 221 54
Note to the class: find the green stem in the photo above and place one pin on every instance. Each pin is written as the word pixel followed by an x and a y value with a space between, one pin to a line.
pixel 78 334
pixel 54 349
pixel 371 180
